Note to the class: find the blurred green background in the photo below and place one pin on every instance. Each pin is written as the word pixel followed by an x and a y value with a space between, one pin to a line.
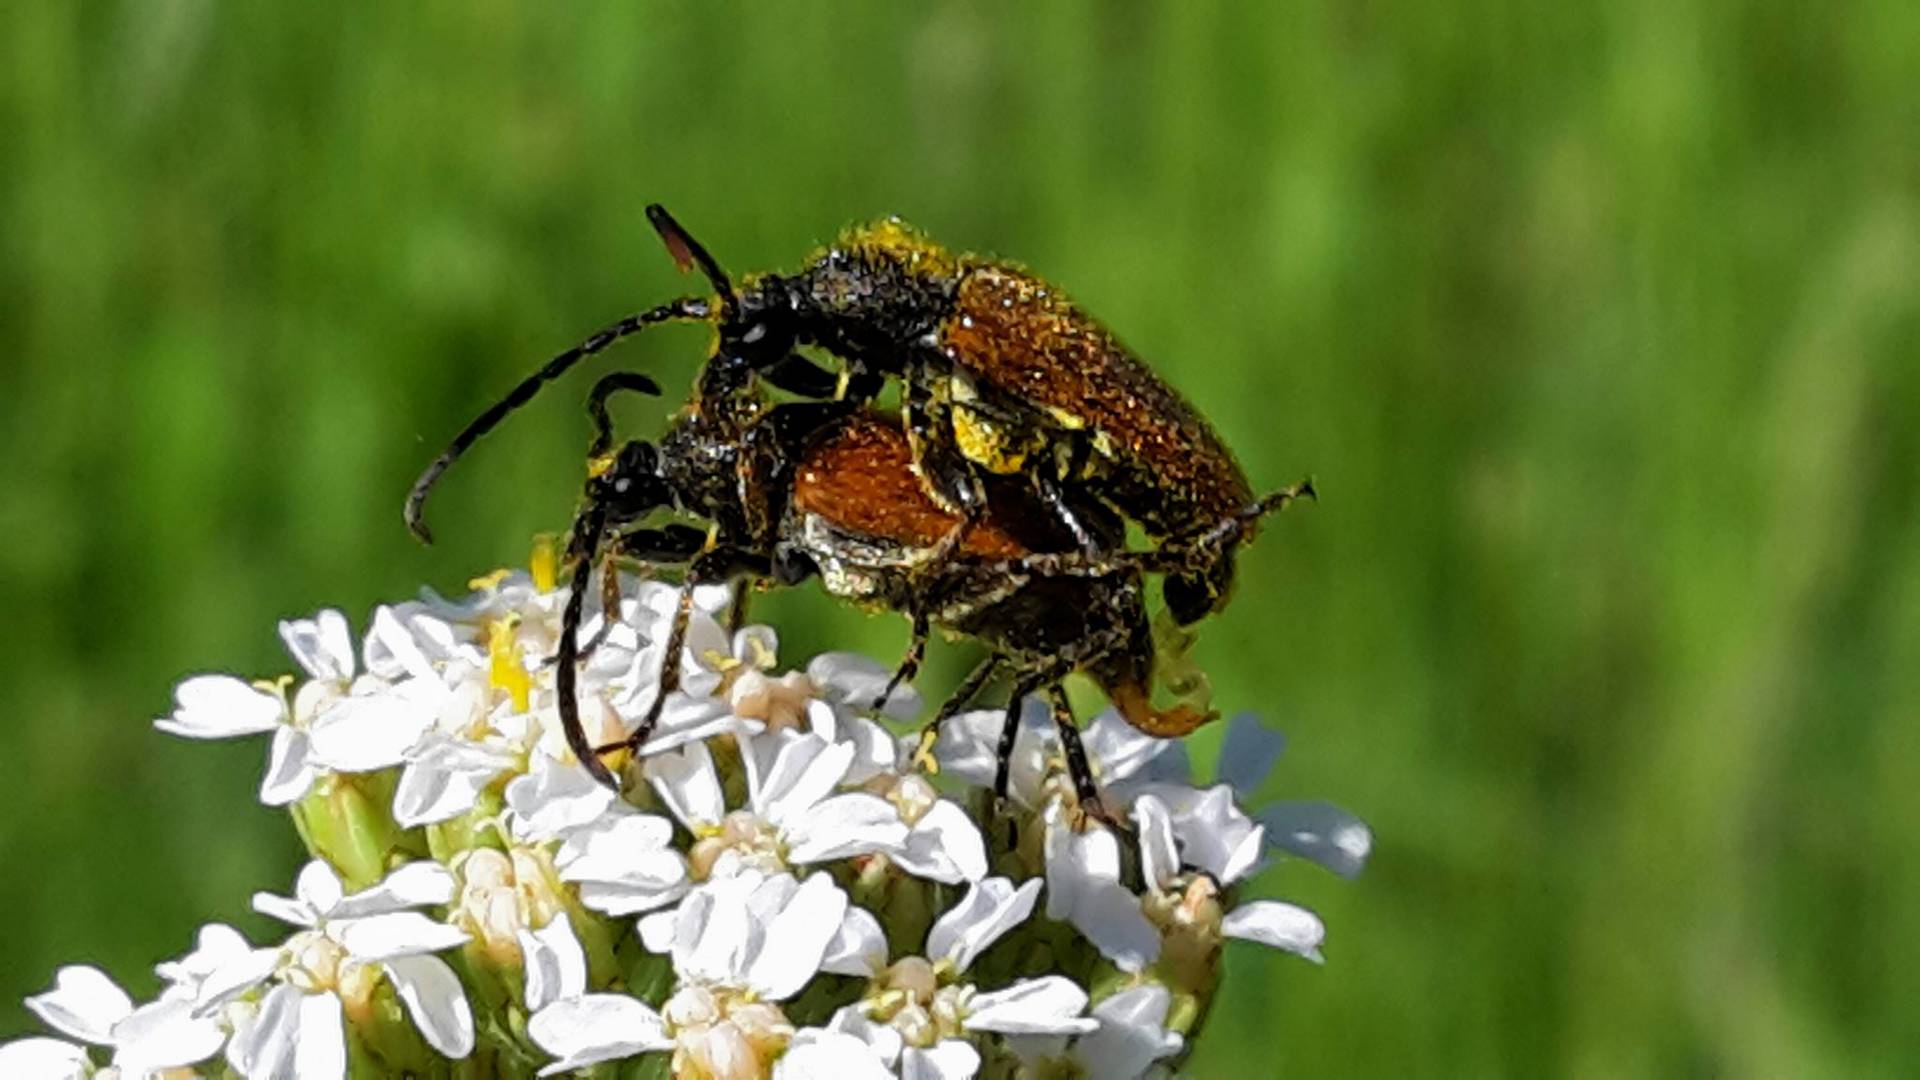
pixel 1597 328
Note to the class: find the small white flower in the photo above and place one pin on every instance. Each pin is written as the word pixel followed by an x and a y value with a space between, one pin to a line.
pixel 793 816
pixel 625 864
pixel 1084 888
pixel 943 844
pixel 39 1058
pixel 740 946
pixel 821 1054
pixel 919 1011
pixel 346 944
pixel 223 707
pixel 87 1005
pixel 579 1028
pixel 1181 903
pixel 1316 831
pixel 1132 1036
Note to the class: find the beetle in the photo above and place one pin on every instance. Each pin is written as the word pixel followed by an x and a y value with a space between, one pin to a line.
pixel 827 489
pixel 1001 375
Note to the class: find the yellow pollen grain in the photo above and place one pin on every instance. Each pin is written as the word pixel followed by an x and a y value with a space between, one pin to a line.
pixel 597 467
pixel 923 758
pixel 490 581
pixel 507 668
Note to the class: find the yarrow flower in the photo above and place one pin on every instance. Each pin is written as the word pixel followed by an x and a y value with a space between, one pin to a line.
pixel 779 891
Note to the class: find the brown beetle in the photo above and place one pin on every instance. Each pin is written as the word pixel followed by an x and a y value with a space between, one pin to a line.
pixel 828 489
pixel 1001 375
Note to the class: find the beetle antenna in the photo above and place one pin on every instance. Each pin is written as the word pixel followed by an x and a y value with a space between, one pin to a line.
pixel 688 309
pixel 688 252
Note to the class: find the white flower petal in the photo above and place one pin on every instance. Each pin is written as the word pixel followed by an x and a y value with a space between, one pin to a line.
pixel 368 731
pixel 1132 1034
pixel 262 1047
pixel 1288 927
pixel 396 934
pixel 290 768
pixel 320 1044
pixel 1083 888
pixel 714 943
pixel 875 750
pixel 216 945
pixel 1248 754
pixel 221 707
pixel 553 798
pixel 434 999
pixel 393 646
pixel 584 1031
pixel 165 1035
pixel 846 825
pixel 805 771
pixel 948 1059
pixel 1120 749
pixel 688 784
pixel 1050 1005
pixel 41 1058
pixel 322 645
pixel 990 909
pixel 625 865
pixel 815 1054
pixel 687 719
pixel 444 778
pixel 1321 832
pixel 413 884
pixel 1216 836
pixel 944 845
pixel 319 888
pixel 859 948
pixel 1110 917
pixel 83 1003
pixel 1159 857
pixel 856 681
pixel 883 1039
pixel 235 976
pixel 968 748
pixel 556 964
pixel 660 930
pixel 796 939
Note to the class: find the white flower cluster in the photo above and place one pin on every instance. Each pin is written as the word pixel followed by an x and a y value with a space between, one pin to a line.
pixel 778 894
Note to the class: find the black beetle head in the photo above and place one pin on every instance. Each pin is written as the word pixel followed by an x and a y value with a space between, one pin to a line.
pixel 631 486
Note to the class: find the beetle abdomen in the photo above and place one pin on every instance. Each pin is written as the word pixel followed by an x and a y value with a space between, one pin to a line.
pixel 1016 334
pixel 859 477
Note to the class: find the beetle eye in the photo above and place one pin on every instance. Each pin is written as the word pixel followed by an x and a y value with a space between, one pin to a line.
pixel 622 485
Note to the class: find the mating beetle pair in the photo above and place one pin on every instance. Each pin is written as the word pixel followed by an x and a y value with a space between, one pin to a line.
pixel 995 506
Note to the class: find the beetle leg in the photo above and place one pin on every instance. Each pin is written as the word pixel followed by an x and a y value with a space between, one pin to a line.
pixel 947 476
pixel 1085 788
pixel 909 664
pixel 672 545
pixel 715 565
pixel 798 375
pixel 609 606
pixel 1054 499
pixel 969 687
pixel 737 610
